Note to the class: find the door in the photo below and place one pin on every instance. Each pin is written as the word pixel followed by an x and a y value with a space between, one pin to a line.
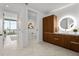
pixel 10 30
pixel 1 29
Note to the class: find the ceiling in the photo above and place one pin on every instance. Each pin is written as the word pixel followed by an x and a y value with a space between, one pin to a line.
pixel 42 7
pixel 11 7
pixel 47 7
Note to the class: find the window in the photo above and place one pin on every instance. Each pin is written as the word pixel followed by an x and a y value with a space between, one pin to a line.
pixel 10 26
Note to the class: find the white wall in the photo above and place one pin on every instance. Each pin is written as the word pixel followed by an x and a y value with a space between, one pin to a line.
pixel 71 10
pixel 37 25
pixel 40 26
pixel 23 35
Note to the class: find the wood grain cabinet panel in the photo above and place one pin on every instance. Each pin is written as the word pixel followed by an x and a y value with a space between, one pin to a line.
pixel 45 36
pixel 49 26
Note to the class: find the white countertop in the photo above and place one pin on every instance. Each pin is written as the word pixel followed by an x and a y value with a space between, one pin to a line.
pixel 68 33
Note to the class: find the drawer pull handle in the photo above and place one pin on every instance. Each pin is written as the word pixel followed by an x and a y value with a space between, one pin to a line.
pixel 74 42
pixel 56 38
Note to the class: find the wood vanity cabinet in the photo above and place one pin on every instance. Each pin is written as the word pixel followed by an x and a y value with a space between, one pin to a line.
pixel 67 41
pixel 64 40
pixel 49 26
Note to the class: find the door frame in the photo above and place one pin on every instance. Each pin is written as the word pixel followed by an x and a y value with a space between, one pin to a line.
pixel 3 27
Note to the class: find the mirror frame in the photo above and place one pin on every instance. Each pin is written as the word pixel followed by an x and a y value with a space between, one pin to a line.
pixel 74 20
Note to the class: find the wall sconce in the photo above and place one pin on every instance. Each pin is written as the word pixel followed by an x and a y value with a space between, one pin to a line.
pixel 30 26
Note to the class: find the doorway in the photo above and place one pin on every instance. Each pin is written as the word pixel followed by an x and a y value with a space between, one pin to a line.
pixel 9 30
pixel 32 26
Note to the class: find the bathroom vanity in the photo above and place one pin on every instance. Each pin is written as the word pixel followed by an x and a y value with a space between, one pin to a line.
pixel 65 39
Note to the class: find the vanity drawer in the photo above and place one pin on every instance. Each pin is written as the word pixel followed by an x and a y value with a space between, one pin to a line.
pixel 58 40
pixel 75 39
pixel 74 45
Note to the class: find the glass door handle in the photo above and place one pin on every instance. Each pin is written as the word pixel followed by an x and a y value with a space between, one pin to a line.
pixel 0 34
pixel 4 32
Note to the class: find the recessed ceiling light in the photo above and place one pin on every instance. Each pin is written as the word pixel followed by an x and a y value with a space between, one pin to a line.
pixel 7 5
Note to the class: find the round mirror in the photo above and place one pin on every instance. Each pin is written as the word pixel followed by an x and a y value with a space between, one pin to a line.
pixel 67 23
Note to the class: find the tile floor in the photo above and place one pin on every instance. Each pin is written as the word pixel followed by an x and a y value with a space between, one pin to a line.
pixel 10 41
pixel 38 49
